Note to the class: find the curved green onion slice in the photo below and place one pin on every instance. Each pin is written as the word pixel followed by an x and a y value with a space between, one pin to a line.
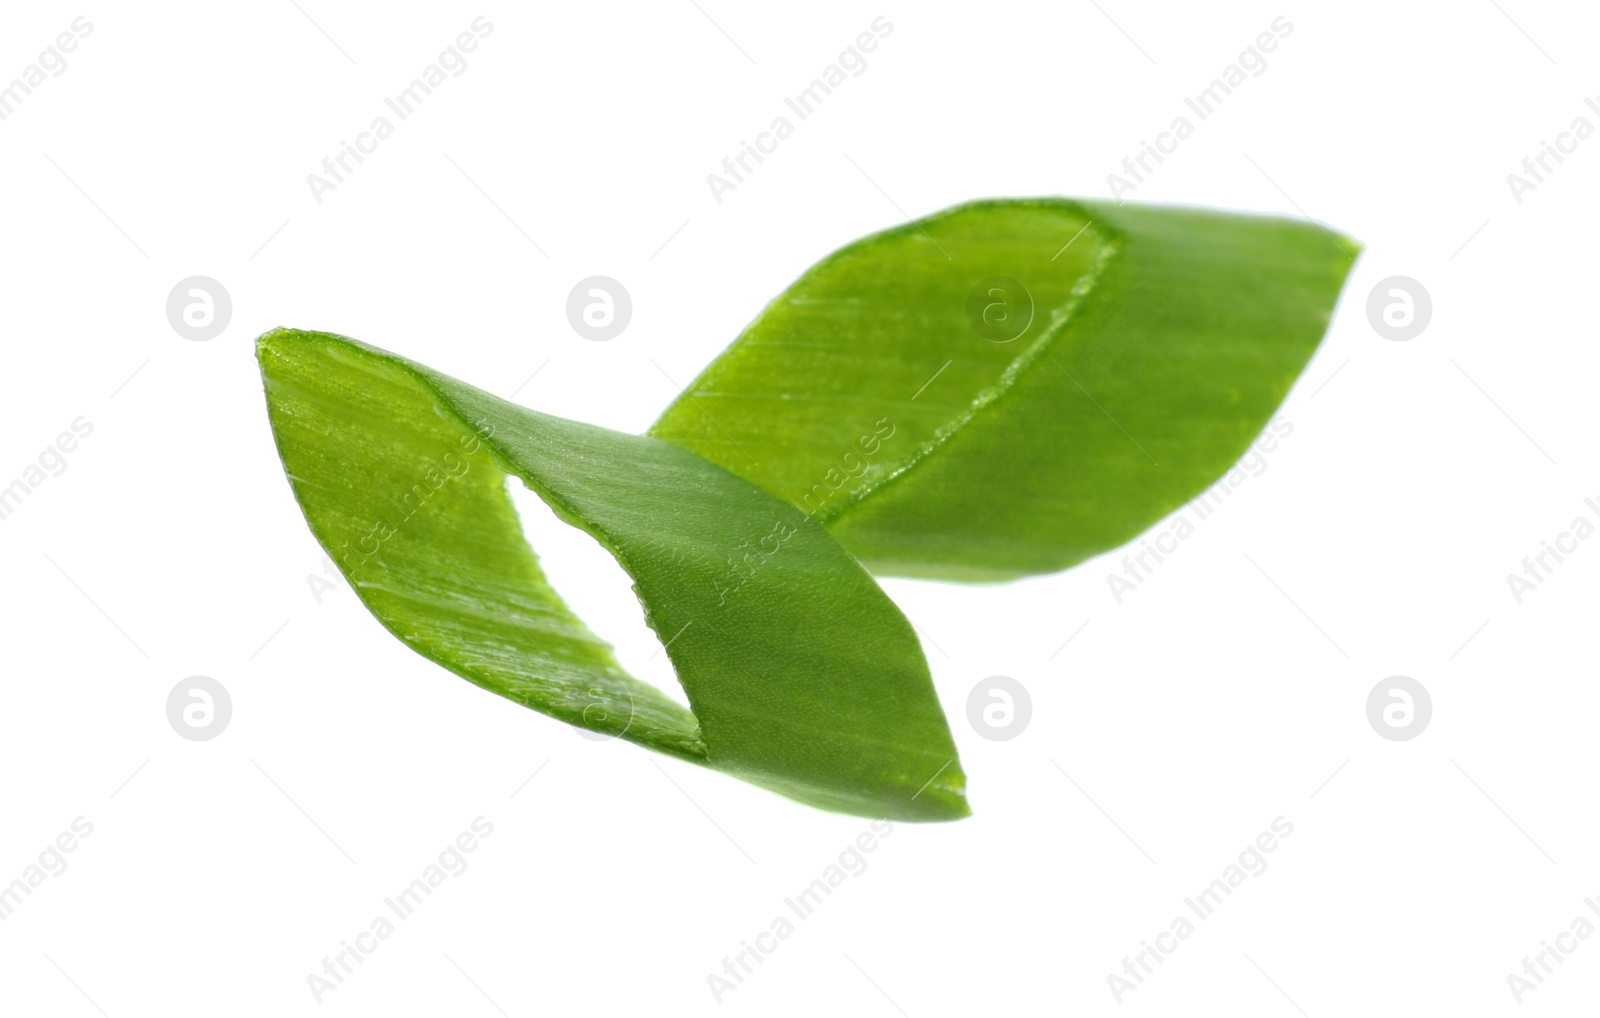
pixel 801 675
pixel 1059 375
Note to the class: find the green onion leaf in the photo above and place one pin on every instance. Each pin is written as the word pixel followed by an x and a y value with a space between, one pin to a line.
pixel 1053 377
pixel 801 675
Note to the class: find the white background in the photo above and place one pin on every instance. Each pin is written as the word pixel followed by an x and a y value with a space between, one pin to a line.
pixel 1219 696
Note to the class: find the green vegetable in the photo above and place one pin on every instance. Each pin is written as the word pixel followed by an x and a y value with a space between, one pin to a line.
pixel 1059 375
pixel 803 677
pixel 1001 389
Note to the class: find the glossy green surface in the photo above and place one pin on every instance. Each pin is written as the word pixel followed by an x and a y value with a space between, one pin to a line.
pixel 1010 387
pixel 802 676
